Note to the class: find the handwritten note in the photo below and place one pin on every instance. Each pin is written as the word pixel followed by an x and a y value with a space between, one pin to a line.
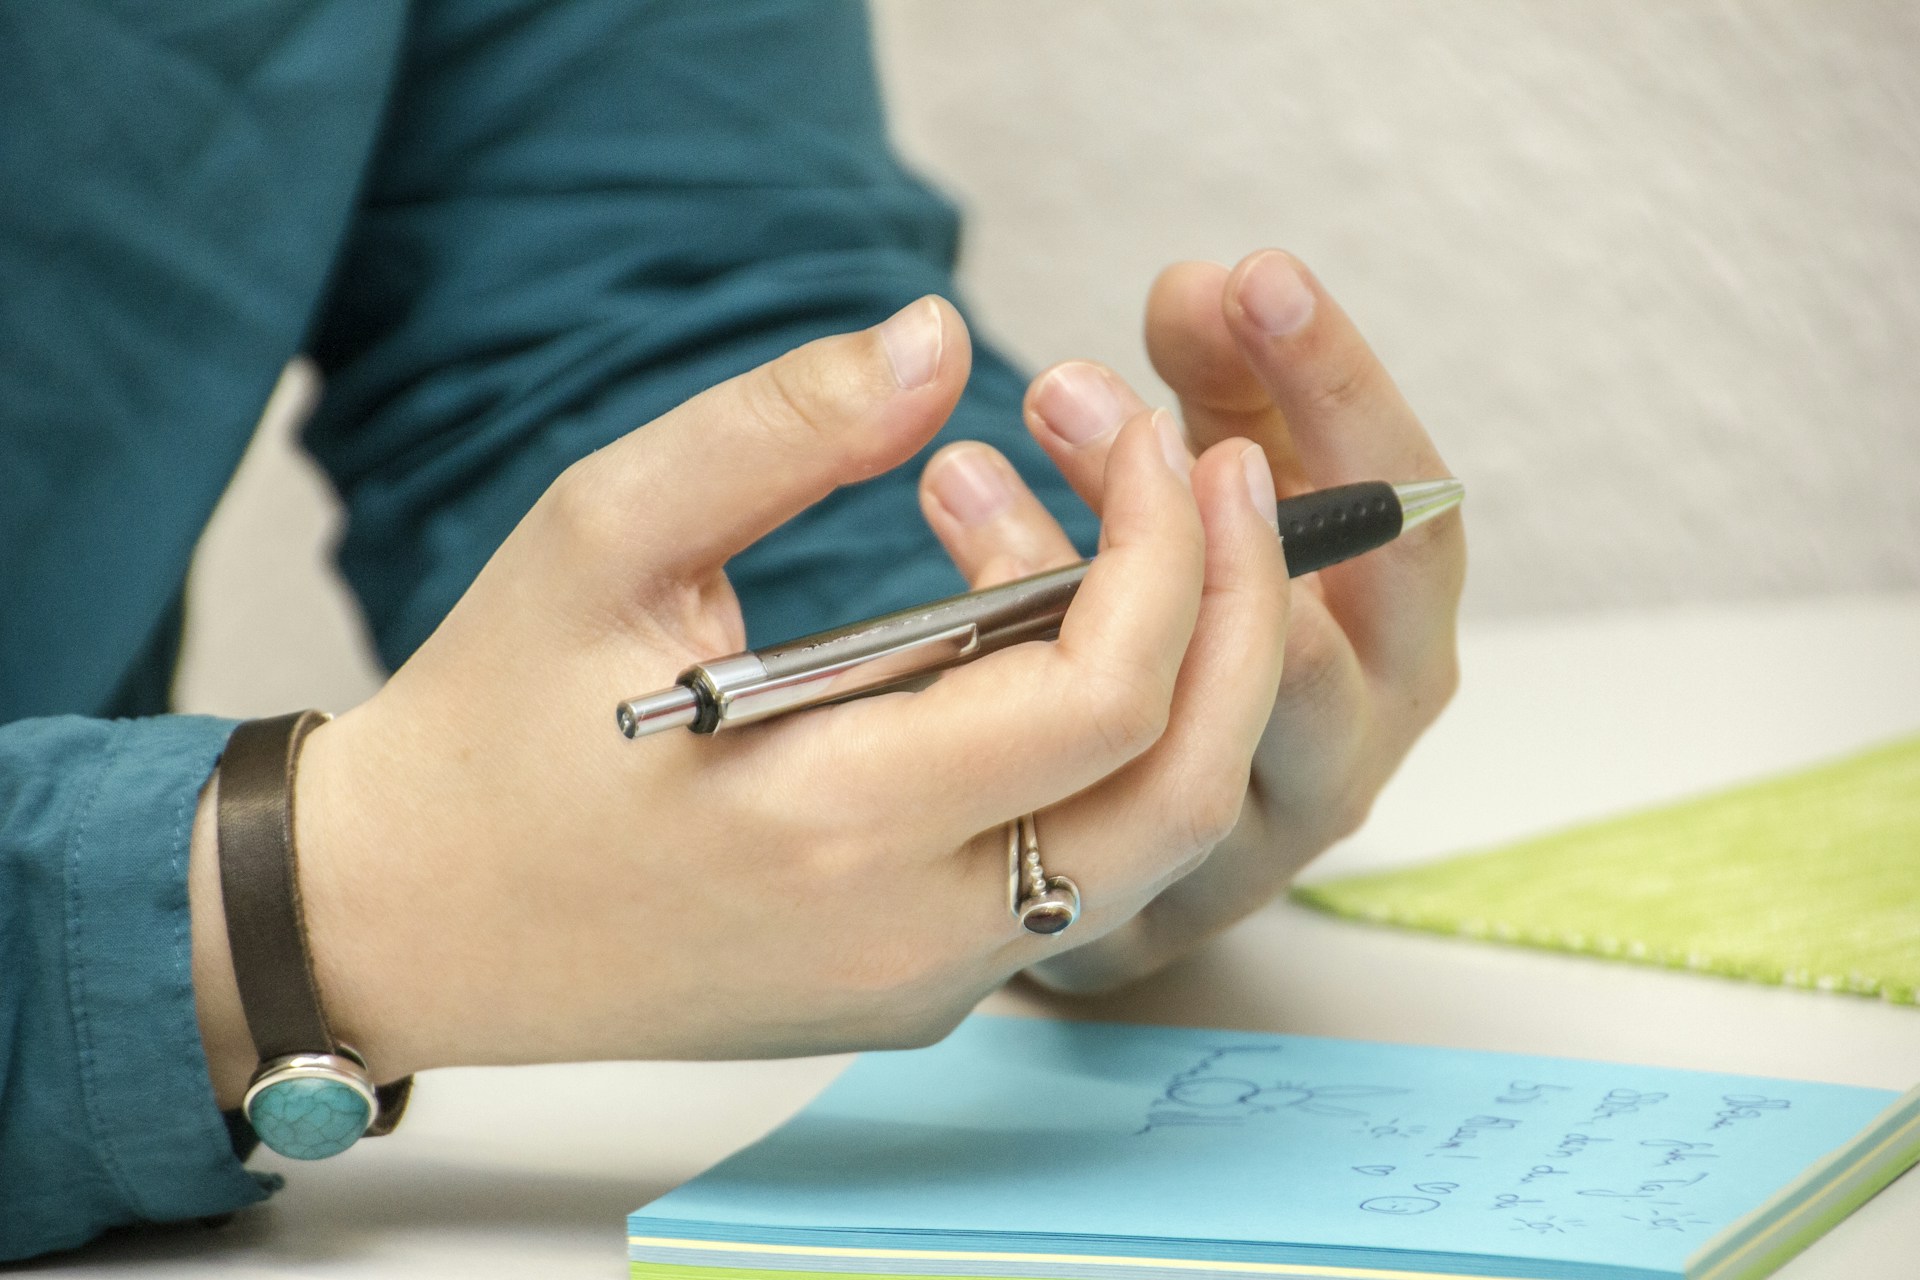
pixel 1562 1151
pixel 1243 1146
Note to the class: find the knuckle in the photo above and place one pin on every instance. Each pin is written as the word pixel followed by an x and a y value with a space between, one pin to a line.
pixel 1349 811
pixel 1347 382
pixel 1191 863
pixel 1417 695
pixel 845 862
pixel 580 507
pixel 1315 667
pixel 1129 707
pixel 1442 682
pixel 1215 811
pixel 806 399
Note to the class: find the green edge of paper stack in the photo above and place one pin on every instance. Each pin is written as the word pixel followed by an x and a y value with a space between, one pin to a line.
pixel 1811 879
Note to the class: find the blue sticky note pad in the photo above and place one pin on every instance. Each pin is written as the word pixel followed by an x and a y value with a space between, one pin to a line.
pixel 1031 1148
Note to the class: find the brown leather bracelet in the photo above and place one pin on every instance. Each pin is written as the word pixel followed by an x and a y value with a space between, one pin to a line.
pixel 311 1096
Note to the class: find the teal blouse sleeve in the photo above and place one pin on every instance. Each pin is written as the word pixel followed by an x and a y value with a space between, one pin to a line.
pixel 106 1111
pixel 582 215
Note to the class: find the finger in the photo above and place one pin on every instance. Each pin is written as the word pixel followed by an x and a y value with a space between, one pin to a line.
pixel 1320 689
pixel 988 520
pixel 680 496
pixel 1169 807
pixel 1347 422
pixel 1194 351
pixel 1074 411
pixel 1021 728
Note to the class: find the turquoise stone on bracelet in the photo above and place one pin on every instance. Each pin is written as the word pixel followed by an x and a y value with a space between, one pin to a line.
pixel 309 1118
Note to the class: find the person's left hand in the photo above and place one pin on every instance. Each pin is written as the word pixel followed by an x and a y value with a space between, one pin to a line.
pixel 1263 353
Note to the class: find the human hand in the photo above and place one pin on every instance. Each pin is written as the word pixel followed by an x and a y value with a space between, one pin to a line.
pixel 1263 354
pixel 492 873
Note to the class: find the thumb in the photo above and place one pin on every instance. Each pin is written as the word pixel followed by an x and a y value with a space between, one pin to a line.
pixel 683 494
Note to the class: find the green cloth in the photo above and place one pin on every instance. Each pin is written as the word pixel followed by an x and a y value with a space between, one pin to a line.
pixel 1811 879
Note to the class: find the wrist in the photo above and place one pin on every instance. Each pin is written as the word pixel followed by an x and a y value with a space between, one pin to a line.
pixel 345 853
pixel 216 996
pixel 341 904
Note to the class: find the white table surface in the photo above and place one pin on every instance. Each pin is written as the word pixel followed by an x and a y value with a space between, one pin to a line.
pixel 531 1171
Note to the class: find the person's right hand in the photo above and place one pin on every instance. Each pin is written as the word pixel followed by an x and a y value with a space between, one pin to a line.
pixel 492 873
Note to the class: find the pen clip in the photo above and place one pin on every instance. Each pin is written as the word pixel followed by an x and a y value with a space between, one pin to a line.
pixel 754 693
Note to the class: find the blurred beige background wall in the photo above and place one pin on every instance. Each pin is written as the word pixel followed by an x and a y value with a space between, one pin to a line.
pixel 1650 272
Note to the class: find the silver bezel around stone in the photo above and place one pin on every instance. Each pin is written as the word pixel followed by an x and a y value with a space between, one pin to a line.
pixel 312 1066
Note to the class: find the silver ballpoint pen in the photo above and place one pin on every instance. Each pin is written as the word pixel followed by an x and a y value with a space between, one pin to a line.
pixel 899 650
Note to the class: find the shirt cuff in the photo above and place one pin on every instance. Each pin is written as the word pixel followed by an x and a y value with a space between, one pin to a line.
pixel 151 1117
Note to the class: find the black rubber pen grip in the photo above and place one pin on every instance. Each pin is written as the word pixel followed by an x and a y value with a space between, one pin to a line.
pixel 1331 525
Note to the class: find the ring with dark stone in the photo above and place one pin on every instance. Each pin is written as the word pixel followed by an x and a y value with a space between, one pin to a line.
pixel 1042 903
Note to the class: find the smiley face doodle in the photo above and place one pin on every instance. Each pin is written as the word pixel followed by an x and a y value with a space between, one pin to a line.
pixel 1400 1206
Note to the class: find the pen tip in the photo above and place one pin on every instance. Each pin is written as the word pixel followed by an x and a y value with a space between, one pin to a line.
pixel 1425 499
pixel 673 708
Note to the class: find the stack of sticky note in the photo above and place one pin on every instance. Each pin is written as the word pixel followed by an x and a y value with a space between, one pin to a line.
pixel 1033 1150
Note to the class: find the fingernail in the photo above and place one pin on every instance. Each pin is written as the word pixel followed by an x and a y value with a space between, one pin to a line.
pixel 1260 485
pixel 972 485
pixel 912 338
pixel 1078 404
pixel 1274 296
pixel 1173 444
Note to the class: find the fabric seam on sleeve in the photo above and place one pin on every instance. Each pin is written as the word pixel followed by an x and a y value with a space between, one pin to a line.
pixel 76 975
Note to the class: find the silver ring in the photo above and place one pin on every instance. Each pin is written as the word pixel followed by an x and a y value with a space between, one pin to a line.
pixel 1042 903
